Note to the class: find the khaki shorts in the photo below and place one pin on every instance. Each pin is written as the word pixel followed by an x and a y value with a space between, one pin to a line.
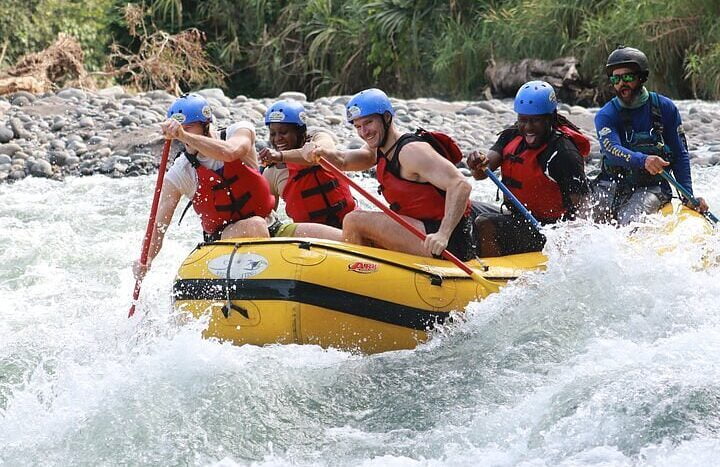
pixel 285 230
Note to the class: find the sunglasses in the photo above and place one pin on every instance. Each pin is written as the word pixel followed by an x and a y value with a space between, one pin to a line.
pixel 625 78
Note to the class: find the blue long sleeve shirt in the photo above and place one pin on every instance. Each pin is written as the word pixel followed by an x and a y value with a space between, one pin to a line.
pixel 613 145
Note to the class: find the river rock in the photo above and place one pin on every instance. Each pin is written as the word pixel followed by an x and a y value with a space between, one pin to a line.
pixel 58 158
pixel 10 149
pixel 18 129
pixel 128 120
pixel 112 92
pixel 5 159
pixel 20 101
pixel 41 168
pixel 58 124
pixel 334 120
pixel 17 175
pixel 72 93
pixel 293 95
pixel 4 106
pixel 220 112
pixel 159 96
pixel 6 134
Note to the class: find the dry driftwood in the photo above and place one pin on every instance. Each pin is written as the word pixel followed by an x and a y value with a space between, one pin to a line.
pixel 60 64
pixel 13 84
pixel 506 78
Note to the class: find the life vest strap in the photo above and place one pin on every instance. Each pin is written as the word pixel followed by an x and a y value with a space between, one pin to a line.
pixel 515 159
pixel 512 183
pixel 225 183
pixel 306 171
pixel 236 205
pixel 320 189
pixel 329 211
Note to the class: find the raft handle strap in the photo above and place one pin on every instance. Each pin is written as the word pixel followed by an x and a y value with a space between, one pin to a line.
pixel 228 306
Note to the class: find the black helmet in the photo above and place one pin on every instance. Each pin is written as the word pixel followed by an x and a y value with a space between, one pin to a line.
pixel 627 56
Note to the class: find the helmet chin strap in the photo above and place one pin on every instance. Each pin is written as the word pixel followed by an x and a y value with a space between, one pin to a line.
pixel 386 127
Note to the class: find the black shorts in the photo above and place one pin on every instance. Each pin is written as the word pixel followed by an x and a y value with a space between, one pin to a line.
pixel 461 242
pixel 513 233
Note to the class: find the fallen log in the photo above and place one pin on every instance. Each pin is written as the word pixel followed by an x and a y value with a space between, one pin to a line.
pixel 504 79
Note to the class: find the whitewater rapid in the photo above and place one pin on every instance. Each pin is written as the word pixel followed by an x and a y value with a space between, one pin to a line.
pixel 610 357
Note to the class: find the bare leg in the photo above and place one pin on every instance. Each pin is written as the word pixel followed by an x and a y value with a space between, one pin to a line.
pixel 313 230
pixel 378 229
pixel 247 228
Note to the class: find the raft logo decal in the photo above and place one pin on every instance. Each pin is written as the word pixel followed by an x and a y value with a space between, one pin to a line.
pixel 244 265
pixel 604 131
pixel 178 117
pixel 362 268
pixel 207 112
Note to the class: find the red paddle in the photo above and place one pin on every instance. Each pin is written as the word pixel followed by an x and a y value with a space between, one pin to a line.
pixel 396 217
pixel 151 221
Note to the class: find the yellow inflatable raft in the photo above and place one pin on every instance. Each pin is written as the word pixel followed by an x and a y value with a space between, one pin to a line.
pixel 307 291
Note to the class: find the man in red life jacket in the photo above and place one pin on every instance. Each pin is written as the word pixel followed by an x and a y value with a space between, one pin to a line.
pixel 312 195
pixel 416 180
pixel 541 161
pixel 218 171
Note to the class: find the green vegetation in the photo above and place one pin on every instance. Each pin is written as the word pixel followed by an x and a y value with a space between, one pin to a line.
pixel 407 47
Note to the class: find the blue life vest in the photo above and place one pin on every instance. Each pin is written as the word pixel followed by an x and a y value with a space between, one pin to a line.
pixel 647 142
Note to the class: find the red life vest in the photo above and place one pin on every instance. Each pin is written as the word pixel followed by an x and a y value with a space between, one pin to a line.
pixel 313 194
pixel 419 200
pixel 233 193
pixel 525 178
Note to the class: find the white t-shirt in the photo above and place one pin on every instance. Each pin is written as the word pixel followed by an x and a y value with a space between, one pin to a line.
pixel 182 174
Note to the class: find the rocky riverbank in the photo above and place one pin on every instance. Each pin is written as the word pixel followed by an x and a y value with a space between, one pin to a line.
pixel 76 133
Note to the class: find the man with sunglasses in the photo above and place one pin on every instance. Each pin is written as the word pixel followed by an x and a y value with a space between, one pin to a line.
pixel 640 135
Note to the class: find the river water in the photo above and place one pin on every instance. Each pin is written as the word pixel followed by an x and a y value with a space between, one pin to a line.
pixel 610 357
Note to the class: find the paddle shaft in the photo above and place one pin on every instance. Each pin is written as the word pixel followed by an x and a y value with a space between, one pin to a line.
pixel 396 217
pixel 151 221
pixel 508 194
pixel 687 194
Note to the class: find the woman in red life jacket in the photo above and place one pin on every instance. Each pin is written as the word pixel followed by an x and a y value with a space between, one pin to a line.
pixel 218 172
pixel 541 161
pixel 311 193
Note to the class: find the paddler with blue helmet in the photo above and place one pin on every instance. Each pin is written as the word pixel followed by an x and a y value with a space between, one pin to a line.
pixel 312 194
pixel 541 161
pixel 640 134
pixel 417 181
pixel 218 172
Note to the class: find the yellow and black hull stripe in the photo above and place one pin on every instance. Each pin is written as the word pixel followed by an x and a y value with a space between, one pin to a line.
pixel 289 290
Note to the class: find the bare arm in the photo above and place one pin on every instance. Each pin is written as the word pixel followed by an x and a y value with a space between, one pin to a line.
pixel 238 147
pixel 320 139
pixel 169 199
pixel 350 160
pixel 478 162
pixel 419 161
